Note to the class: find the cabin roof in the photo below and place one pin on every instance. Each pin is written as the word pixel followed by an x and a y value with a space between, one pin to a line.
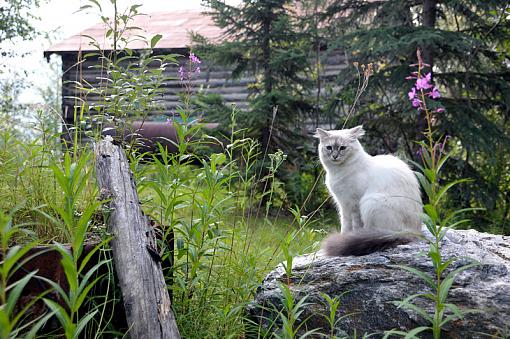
pixel 175 27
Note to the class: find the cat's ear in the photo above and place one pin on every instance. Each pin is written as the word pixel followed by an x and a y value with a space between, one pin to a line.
pixel 320 133
pixel 357 132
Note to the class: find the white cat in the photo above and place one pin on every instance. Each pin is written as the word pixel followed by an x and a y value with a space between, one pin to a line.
pixel 378 197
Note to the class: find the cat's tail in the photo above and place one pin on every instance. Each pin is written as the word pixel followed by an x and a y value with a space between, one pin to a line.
pixel 363 242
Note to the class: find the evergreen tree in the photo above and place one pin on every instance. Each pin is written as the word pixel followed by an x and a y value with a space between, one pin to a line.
pixel 466 44
pixel 262 39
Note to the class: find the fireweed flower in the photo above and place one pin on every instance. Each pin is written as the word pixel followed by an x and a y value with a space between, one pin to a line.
pixel 194 59
pixel 434 94
pixel 424 82
pixel 417 103
pixel 182 73
pixel 187 74
pixel 423 88
pixel 412 93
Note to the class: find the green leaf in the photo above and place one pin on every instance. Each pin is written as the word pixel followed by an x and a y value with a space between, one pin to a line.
pixel 83 322
pixel 444 265
pixel 96 248
pixel 62 294
pixel 420 311
pixel 155 39
pixel 393 332
pixel 444 288
pixel 425 184
pixel 34 328
pixel 415 331
pixel 14 294
pixel 446 187
pixel 60 313
pixel 14 256
pixel 431 212
pixel 84 293
pixel 423 275
pixel 462 268
pixel 68 265
pixel 434 255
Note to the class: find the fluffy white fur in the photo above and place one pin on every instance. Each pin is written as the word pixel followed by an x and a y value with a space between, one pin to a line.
pixel 375 195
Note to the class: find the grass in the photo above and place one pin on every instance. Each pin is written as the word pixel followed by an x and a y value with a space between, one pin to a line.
pixel 224 241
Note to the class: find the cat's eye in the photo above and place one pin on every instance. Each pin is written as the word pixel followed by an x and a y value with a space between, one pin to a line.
pixel 342 148
pixel 329 148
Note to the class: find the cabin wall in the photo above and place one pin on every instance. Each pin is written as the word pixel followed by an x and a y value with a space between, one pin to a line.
pixel 212 79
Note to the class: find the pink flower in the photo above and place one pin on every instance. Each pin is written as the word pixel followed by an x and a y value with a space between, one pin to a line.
pixel 439 110
pixel 412 93
pixel 182 72
pixel 424 83
pixel 416 102
pixel 434 94
pixel 194 59
pixel 197 70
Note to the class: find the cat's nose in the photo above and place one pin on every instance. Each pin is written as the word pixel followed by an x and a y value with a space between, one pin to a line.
pixel 335 156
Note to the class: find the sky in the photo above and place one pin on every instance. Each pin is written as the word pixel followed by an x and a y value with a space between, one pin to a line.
pixel 60 19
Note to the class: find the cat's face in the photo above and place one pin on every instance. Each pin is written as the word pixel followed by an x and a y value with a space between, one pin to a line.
pixel 337 145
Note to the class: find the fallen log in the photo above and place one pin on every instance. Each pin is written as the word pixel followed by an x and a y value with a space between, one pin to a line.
pixel 137 264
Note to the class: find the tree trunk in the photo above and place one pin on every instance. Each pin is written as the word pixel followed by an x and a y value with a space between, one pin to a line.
pixel 429 20
pixel 137 264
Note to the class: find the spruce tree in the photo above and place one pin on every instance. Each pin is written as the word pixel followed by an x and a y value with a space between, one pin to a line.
pixel 466 44
pixel 262 40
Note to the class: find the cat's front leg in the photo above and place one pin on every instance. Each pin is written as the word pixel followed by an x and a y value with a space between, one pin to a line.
pixel 356 222
pixel 346 222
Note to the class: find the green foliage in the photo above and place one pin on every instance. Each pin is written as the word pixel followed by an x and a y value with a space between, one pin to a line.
pixel 13 318
pixel 130 86
pixel 333 305
pixel 72 178
pixel 290 315
pixel 211 228
pixel 16 20
pixel 466 43
pixel 437 219
pixel 276 55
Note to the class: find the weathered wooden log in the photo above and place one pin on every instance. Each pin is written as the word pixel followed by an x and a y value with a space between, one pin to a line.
pixel 146 300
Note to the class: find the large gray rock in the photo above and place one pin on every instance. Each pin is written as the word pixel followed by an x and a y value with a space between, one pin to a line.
pixel 371 283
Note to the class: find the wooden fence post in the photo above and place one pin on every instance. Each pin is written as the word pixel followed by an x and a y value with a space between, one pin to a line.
pixel 146 300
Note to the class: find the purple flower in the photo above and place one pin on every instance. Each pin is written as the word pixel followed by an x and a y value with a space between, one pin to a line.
pixel 194 59
pixel 439 110
pixel 416 102
pixel 412 93
pixel 182 72
pixel 197 70
pixel 434 94
pixel 168 121
pixel 424 83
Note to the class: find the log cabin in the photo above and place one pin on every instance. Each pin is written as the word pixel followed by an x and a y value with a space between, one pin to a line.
pixel 82 68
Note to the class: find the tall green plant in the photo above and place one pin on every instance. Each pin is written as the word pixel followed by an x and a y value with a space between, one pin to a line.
pixel 13 317
pixel 72 178
pixel 436 218
pixel 130 84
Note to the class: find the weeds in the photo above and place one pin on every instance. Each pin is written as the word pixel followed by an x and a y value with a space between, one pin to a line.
pixel 14 318
pixel 72 179
pixel 435 218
